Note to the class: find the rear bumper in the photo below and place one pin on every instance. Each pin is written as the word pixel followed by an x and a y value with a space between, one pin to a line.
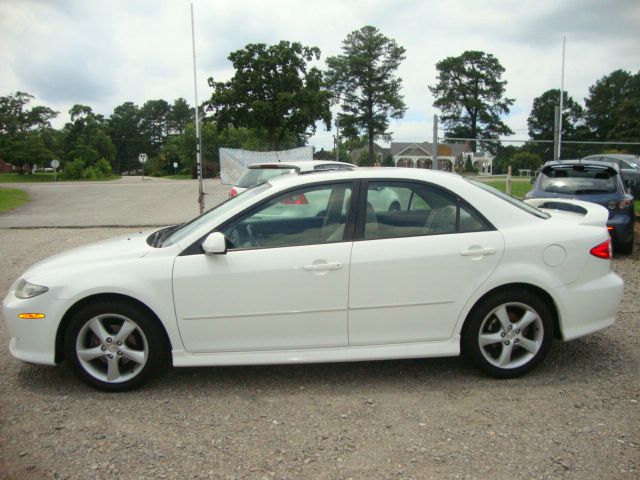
pixel 622 228
pixel 588 307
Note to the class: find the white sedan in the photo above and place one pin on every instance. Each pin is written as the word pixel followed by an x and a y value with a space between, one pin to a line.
pixel 459 267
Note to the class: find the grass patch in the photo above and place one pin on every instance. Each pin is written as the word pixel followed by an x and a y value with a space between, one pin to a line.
pixel 518 188
pixel 45 177
pixel 180 176
pixel 11 198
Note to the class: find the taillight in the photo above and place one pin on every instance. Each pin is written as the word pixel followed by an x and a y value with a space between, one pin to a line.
pixel 603 250
pixel 295 200
pixel 233 193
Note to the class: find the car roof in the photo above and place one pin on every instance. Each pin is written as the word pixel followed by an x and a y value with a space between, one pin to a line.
pixel 302 165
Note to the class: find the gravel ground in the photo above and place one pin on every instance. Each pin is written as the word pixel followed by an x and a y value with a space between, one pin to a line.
pixel 577 416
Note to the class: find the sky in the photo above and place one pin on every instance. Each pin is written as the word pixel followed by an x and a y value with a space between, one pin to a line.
pixel 103 53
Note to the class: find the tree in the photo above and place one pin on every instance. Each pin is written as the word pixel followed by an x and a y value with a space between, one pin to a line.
pixel 470 95
pixel 179 116
pixel 24 132
pixel 541 121
pixel 89 151
pixel 613 107
pixel 125 131
pixel 364 80
pixel 272 88
pixel 154 124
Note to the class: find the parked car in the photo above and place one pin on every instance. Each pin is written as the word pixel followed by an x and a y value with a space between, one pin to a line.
pixel 629 168
pixel 460 267
pixel 592 181
pixel 261 172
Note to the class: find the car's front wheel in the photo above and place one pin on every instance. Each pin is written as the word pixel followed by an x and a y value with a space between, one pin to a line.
pixel 114 346
pixel 508 333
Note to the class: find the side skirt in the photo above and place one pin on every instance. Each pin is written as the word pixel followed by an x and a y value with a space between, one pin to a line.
pixel 445 348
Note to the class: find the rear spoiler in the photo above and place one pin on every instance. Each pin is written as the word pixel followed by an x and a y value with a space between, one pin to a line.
pixel 590 213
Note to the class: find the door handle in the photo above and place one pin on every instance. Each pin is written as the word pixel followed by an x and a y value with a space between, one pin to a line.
pixel 476 252
pixel 319 267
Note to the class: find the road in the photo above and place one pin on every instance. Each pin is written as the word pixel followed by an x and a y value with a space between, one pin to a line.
pixel 128 201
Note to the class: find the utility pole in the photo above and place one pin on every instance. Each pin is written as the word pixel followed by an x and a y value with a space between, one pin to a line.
pixel 195 89
pixel 434 153
pixel 556 133
pixel 559 145
pixel 337 140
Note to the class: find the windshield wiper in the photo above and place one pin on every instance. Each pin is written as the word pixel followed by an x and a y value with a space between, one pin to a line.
pixel 159 237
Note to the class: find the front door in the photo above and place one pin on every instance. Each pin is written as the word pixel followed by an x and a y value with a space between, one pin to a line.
pixel 283 283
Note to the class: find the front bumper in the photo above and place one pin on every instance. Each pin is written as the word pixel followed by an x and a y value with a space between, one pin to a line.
pixel 33 341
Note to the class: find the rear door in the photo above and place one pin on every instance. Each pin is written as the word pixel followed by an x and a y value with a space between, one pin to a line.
pixel 413 269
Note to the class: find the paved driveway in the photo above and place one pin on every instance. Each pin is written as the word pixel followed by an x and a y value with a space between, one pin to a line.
pixel 128 201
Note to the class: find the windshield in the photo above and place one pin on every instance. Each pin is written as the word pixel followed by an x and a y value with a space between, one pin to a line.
pixel 578 179
pixel 509 199
pixel 255 176
pixel 210 215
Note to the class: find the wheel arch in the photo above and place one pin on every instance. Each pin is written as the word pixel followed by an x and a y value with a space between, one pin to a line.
pixel 541 293
pixel 112 297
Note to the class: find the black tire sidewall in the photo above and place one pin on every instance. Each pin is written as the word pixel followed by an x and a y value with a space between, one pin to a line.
pixel 157 352
pixel 469 342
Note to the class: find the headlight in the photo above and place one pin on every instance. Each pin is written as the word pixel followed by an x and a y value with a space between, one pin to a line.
pixel 25 289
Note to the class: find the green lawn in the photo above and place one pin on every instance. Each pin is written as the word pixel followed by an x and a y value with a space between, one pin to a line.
pixel 180 176
pixel 518 187
pixel 42 177
pixel 11 198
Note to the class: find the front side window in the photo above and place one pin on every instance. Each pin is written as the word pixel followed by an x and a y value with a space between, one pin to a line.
pixel 306 216
pixel 413 209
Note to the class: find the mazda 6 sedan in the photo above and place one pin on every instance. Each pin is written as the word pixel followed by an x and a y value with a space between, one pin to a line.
pixel 264 279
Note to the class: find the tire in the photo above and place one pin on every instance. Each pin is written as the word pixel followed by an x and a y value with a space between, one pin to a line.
pixel 625 248
pixel 105 356
pixel 508 334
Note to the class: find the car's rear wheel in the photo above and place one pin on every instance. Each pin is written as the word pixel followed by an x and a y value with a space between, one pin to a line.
pixel 114 346
pixel 508 333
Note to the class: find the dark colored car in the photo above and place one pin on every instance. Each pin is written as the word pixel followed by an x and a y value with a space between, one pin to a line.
pixel 592 181
pixel 629 168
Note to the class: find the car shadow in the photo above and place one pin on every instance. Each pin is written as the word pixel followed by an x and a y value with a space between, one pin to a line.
pixel 568 362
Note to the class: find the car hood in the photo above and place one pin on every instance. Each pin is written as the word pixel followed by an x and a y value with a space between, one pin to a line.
pixel 107 251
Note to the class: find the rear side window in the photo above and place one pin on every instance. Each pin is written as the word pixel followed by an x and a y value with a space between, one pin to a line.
pixel 403 209
pixel 256 176
pixel 578 179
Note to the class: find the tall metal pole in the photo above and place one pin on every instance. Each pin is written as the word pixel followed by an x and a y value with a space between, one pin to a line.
pixel 564 40
pixel 195 89
pixel 337 138
pixel 434 153
pixel 556 133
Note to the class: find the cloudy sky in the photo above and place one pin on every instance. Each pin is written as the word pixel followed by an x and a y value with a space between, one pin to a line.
pixel 103 53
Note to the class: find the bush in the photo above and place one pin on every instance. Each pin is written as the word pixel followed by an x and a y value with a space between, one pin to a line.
pixel 388 162
pixel 76 170
pixel 73 170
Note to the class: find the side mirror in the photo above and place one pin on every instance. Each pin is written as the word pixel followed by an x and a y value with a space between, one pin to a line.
pixel 533 180
pixel 215 243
